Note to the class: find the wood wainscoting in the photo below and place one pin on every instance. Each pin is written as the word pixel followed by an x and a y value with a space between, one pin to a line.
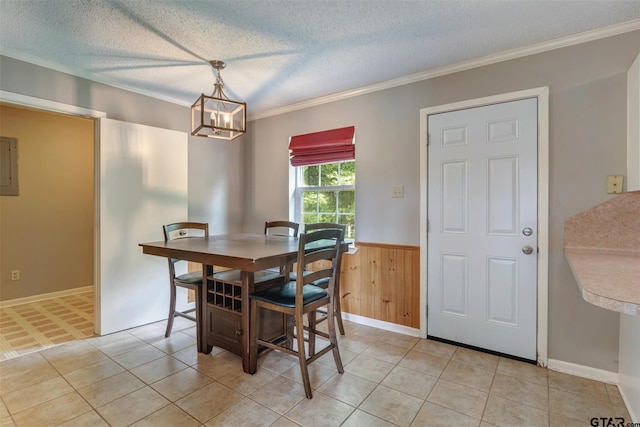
pixel 382 282
pixel 379 281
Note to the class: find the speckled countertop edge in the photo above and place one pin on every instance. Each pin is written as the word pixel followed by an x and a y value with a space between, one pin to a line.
pixel 604 254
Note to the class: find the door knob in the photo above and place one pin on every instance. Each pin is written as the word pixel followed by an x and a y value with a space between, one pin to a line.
pixel 527 249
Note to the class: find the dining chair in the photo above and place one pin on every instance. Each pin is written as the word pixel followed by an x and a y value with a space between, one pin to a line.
pixel 281 228
pixel 191 280
pixel 324 283
pixel 298 298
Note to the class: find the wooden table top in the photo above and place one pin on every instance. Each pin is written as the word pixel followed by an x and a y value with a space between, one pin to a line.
pixel 246 251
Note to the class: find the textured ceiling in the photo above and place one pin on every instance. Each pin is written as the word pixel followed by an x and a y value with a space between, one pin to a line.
pixel 280 53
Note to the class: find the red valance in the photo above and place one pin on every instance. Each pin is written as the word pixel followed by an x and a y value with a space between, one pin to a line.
pixel 328 146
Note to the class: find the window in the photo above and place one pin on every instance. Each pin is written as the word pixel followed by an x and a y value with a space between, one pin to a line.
pixel 323 178
pixel 326 193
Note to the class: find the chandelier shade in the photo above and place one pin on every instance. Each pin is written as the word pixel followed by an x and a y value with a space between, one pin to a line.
pixel 215 115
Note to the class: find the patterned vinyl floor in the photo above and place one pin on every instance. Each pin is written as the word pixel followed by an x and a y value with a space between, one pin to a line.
pixel 36 326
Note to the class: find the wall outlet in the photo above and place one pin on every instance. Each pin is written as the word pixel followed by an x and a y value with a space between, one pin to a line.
pixel 397 191
pixel 614 184
pixel 15 274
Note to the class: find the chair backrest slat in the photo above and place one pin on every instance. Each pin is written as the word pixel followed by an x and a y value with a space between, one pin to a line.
pixel 318 246
pixel 325 226
pixel 319 226
pixel 182 230
pixel 179 230
pixel 278 228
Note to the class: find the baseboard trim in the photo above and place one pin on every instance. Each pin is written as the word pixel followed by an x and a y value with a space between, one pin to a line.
pixel 42 297
pixel 381 324
pixel 635 416
pixel 583 371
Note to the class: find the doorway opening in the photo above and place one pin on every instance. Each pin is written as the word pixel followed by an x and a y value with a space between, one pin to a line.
pixel 49 226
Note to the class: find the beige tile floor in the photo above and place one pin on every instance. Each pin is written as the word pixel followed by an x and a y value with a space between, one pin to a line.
pixel 137 377
pixel 26 328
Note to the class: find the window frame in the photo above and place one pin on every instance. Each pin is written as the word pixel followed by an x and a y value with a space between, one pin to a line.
pixel 297 189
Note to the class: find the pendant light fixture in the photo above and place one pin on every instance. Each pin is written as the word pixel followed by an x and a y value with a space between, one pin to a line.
pixel 217 116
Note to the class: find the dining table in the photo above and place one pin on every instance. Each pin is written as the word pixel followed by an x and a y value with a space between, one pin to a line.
pixel 249 255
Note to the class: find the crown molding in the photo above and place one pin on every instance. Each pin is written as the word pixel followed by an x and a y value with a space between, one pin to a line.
pixel 461 66
pixel 45 104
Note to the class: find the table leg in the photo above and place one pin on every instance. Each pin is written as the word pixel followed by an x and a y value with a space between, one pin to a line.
pixel 201 329
pixel 248 287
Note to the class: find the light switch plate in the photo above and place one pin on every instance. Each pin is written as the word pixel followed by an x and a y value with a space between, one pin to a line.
pixel 614 184
pixel 397 191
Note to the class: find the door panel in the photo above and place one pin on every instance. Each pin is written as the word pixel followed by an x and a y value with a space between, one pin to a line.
pixel 502 290
pixel 502 196
pixel 482 181
pixel 455 215
pixel 455 274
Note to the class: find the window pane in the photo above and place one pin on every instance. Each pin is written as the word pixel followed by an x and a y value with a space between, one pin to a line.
pixel 309 219
pixel 327 218
pixel 346 201
pixel 329 174
pixel 349 221
pixel 310 174
pixel 348 173
pixel 309 201
pixel 327 201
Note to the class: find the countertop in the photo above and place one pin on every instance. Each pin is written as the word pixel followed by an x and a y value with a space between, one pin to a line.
pixel 608 279
pixel 602 245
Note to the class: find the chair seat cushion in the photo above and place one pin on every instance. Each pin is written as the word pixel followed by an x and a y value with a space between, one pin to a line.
pixel 193 278
pixel 285 295
pixel 323 283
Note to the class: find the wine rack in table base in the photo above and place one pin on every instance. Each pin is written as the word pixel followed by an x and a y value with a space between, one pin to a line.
pixel 224 311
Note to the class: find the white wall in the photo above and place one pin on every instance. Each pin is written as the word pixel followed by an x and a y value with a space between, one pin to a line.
pixel 633 126
pixel 629 366
pixel 382 161
pixel 630 325
pixel 142 185
pixel 215 183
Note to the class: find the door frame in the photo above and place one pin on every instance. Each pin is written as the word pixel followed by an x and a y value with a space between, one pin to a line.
pixel 95 115
pixel 542 94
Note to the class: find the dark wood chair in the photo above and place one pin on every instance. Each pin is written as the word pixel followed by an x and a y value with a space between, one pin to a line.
pixel 324 283
pixel 281 228
pixel 298 298
pixel 192 280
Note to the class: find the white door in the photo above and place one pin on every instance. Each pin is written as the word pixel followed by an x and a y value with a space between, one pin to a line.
pixel 482 212
pixel 141 185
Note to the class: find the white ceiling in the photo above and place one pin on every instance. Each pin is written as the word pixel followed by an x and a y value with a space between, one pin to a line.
pixel 280 53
